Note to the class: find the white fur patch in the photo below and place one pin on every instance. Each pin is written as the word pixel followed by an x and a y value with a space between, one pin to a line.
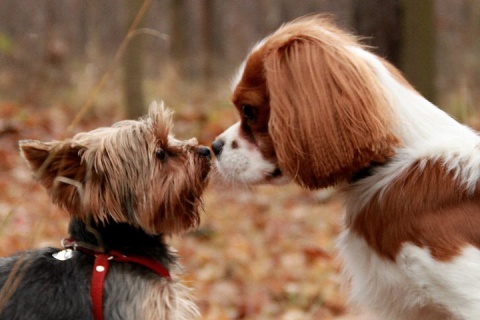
pixel 427 133
pixel 416 286
pixel 240 160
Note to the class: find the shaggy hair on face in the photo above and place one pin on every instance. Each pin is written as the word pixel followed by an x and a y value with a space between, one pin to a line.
pixel 125 187
pixel 115 168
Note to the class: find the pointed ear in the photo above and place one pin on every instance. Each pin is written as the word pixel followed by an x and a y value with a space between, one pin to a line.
pixel 329 117
pixel 161 119
pixel 58 167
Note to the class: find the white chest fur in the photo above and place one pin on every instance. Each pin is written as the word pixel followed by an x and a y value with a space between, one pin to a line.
pixel 415 286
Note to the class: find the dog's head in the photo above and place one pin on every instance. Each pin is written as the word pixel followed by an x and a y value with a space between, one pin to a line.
pixel 133 172
pixel 311 110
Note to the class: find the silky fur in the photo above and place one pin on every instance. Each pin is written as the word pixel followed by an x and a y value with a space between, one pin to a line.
pixel 102 159
pixel 125 187
pixel 320 109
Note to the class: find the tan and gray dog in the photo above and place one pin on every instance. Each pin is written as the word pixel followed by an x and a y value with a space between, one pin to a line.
pixel 125 187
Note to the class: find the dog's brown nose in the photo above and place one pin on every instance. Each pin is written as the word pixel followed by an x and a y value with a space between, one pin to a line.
pixel 217 146
pixel 204 151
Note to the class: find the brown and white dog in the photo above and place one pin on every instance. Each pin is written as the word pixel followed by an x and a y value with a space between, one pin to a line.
pixel 320 109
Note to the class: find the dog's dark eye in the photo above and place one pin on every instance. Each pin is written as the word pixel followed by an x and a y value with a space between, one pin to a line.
pixel 161 154
pixel 249 112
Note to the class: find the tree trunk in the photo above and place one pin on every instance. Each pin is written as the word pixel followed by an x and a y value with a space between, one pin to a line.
pixel 208 27
pixel 380 22
pixel 418 54
pixel 178 38
pixel 133 67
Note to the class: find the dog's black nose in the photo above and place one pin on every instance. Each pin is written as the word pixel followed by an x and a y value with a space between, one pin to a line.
pixel 204 151
pixel 217 147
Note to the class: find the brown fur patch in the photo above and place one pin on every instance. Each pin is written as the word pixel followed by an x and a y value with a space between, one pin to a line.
pixel 426 206
pixel 114 173
pixel 326 116
pixel 50 160
pixel 252 91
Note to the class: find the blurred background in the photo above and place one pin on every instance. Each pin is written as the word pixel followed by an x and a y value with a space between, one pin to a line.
pixel 266 253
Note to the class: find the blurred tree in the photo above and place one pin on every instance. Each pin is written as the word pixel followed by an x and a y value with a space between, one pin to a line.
pixel 418 54
pixel 133 65
pixel 75 40
pixel 209 26
pixel 178 37
pixel 91 15
pixel 380 22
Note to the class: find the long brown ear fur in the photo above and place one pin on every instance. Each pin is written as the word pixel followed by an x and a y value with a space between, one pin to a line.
pixel 57 166
pixel 329 117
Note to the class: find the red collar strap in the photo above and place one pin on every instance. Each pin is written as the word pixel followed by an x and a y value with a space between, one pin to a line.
pixel 100 270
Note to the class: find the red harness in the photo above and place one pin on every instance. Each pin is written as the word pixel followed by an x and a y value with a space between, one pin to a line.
pixel 101 266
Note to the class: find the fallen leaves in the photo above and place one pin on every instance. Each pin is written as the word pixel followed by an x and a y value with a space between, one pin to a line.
pixel 269 255
pixel 261 253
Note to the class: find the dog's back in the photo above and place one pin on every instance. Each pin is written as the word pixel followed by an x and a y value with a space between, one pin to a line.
pixel 37 286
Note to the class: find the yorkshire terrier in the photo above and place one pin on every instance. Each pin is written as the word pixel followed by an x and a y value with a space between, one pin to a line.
pixel 125 187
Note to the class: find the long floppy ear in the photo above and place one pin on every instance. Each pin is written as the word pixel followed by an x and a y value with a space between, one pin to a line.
pixel 329 117
pixel 58 167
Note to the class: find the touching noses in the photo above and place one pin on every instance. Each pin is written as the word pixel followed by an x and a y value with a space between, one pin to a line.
pixel 204 151
pixel 217 147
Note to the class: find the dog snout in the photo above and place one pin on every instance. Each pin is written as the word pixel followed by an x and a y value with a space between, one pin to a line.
pixel 204 151
pixel 217 147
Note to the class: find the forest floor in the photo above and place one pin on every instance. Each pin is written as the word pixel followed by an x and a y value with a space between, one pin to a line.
pixel 260 253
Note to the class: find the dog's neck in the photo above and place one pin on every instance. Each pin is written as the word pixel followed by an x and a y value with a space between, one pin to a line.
pixel 365 172
pixel 121 237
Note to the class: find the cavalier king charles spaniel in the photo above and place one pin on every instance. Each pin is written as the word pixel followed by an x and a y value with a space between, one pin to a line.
pixel 320 109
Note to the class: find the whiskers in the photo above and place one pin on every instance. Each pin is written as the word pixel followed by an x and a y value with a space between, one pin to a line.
pixel 227 181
